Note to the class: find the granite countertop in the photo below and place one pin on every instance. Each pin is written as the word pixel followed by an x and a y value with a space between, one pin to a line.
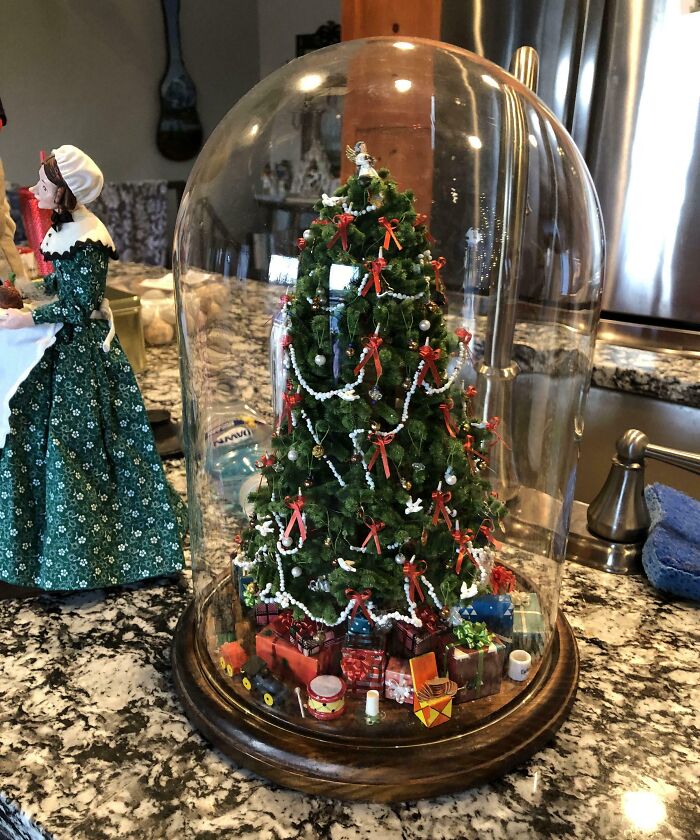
pixel 667 376
pixel 95 744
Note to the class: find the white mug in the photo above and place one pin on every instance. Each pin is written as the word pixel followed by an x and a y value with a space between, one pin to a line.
pixel 519 664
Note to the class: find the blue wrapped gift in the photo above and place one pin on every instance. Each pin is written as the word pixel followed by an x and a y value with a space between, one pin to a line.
pixel 496 611
pixel 360 626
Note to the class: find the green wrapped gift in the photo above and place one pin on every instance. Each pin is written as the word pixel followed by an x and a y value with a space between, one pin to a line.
pixel 528 624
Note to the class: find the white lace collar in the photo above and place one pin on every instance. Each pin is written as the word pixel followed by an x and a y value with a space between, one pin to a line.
pixel 85 227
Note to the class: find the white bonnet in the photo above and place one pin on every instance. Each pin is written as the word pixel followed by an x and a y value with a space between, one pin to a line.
pixel 80 172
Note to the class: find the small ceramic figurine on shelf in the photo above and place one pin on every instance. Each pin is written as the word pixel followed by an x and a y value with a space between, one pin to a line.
pixel 84 502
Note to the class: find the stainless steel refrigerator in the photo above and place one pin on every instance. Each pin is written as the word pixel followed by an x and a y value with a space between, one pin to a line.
pixel 624 77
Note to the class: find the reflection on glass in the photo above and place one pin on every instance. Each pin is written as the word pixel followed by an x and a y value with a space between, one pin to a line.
pixel 645 810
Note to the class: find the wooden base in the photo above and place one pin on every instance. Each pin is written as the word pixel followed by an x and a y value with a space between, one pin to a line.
pixel 362 769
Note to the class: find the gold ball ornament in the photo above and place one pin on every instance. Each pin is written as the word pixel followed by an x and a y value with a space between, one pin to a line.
pixel 350 352
pixel 444 612
pixel 412 345
pixel 318 451
pixel 328 542
pixel 406 484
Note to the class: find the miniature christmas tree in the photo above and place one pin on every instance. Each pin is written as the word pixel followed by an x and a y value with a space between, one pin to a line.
pixel 375 493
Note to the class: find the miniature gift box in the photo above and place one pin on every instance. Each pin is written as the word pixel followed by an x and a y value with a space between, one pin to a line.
pixel 432 697
pixel 312 639
pixel 265 613
pixel 476 664
pixel 398 682
pixel 528 623
pixel 410 641
pixel 495 611
pixel 363 668
pixel 286 662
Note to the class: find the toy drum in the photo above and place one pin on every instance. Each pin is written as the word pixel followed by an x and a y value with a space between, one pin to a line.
pixel 326 697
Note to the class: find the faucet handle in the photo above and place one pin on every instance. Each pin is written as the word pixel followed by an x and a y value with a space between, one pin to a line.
pixel 619 512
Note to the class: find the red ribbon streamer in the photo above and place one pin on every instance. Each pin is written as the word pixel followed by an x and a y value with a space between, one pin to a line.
pixel 374 529
pixel 390 227
pixel 359 600
pixel 413 571
pixel 438 265
pixel 429 357
pixel 376 267
pixel 445 408
pixel 342 223
pixel 373 343
pixel 462 538
pixel 381 442
pixel 440 498
pixel 295 504
pixel 289 401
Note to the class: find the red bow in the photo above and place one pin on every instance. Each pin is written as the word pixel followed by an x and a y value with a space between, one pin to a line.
pixel 462 538
pixel 463 335
pixel 295 504
pixel 359 600
pixel 502 580
pixel 413 571
pixel 437 265
pixel 429 357
pixel 304 628
pixel 265 461
pixel 445 408
pixel 301 243
pixel 342 222
pixel 390 227
pixel 441 498
pixel 376 267
pixel 428 618
pixel 285 299
pixel 373 343
pixel 487 530
pixel 381 442
pixel 289 402
pixel 374 529
pixel 421 219
pixel 491 426
pixel 470 392
pixel 283 623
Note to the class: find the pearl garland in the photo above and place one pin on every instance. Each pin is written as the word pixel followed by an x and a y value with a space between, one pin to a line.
pixel 330 464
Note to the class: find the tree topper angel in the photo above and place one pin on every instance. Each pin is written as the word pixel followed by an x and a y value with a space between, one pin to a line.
pixel 362 160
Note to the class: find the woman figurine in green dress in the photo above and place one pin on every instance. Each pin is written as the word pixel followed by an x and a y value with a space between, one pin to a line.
pixel 84 502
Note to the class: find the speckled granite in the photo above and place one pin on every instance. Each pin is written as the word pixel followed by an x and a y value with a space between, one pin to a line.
pixel 666 376
pixel 95 745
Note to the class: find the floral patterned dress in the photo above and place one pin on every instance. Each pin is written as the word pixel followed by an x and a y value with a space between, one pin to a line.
pixel 84 501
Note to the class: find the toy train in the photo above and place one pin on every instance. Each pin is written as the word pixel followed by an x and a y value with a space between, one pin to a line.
pixel 257 677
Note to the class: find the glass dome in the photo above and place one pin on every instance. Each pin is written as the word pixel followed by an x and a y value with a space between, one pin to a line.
pixel 388 261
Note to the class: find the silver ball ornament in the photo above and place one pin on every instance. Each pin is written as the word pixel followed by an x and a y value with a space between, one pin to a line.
pixel 400 559
pixel 424 325
pixel 296 571
pixel 451 479
pixel 292 454
pixel 287 541
pixel 307 235
pixel 320 359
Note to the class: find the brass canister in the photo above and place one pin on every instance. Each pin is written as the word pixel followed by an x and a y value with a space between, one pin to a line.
pixel 126 309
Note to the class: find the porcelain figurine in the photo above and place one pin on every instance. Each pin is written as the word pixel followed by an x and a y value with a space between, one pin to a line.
pixel 84 502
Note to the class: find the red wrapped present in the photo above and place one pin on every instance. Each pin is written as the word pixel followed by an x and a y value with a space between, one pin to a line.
pixel 310 638
pixel 265 613
pixel 281 625
pixel 287 663
pixel 410 641
pixel 363 668
pixel 477 671
pixel 398 681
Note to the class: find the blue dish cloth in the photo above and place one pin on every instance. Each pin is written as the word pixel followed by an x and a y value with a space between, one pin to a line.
pixel 671 553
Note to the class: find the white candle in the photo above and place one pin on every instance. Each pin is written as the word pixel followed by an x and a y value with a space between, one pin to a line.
pixel 372 703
